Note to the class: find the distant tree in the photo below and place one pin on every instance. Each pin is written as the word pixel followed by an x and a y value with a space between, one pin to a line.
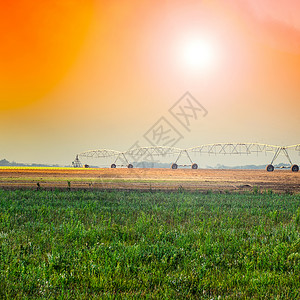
pixel 4 163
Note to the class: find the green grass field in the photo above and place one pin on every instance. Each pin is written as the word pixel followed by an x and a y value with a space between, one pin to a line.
pixel 56 244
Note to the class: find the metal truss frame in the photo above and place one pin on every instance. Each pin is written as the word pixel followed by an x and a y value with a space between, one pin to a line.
pixel 233 148
pixel 136 154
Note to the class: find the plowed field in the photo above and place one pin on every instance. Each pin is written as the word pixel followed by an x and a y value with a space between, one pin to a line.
pixel 157 179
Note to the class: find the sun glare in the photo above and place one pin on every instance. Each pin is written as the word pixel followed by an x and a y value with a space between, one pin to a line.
pixel 198 54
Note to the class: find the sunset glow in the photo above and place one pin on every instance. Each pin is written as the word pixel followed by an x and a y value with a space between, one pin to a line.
pixel 86 74
pixel 40 42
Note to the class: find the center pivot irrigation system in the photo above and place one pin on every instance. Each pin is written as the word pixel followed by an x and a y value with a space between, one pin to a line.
pixel 148 154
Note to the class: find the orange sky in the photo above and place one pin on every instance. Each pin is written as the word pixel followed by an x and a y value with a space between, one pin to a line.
pixel 83 74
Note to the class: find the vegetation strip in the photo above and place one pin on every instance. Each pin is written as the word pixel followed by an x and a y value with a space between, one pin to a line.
pixel 142 244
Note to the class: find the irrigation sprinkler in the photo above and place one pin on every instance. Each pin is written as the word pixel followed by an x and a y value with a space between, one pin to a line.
pixel 77 163
pixel 185 153
pixel 120 159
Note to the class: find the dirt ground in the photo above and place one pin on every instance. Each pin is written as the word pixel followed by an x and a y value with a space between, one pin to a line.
pixel 155 179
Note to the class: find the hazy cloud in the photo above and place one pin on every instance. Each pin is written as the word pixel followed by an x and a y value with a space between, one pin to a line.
pixel 272 22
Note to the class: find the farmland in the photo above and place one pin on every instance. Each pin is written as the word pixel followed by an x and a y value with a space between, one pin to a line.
pixel 150 179
pixel 149 244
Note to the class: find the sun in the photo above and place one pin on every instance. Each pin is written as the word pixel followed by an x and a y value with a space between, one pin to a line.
pixel 198 54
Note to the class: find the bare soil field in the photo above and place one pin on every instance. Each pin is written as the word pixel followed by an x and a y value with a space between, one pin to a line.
pixel 145 179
